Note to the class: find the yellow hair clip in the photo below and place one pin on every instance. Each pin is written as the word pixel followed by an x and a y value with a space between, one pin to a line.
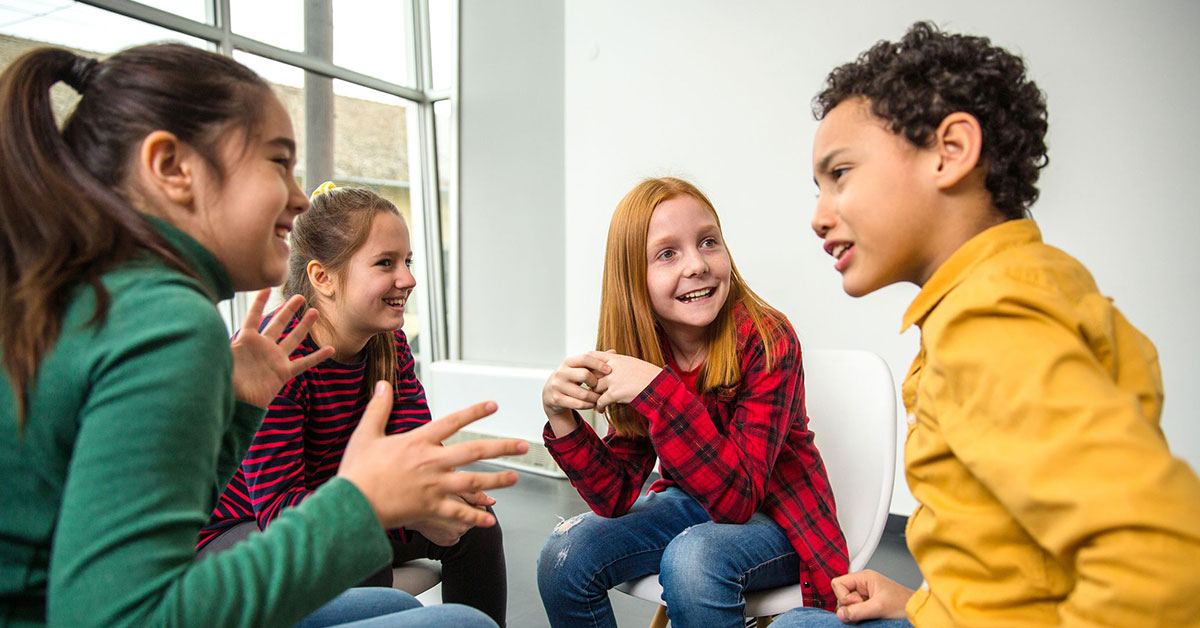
pixel 321 189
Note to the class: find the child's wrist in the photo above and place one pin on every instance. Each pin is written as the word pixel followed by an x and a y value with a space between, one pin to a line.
pixel 562 423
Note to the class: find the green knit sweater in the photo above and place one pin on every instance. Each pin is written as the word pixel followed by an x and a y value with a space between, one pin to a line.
pixel 132 432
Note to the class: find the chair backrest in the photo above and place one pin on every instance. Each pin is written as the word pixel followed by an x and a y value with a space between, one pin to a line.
pixel 851 403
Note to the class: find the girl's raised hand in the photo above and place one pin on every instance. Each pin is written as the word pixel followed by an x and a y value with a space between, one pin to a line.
pixel 626 379
pixel 261 366
pixel 411 477
pixel 564 390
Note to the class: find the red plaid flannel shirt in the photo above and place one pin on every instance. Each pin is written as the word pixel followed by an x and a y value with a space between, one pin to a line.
pixel 736 452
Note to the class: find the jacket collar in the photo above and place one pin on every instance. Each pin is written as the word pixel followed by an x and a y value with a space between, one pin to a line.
pixel 973 252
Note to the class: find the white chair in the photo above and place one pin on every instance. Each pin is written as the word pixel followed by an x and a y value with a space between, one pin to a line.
pixel 851 403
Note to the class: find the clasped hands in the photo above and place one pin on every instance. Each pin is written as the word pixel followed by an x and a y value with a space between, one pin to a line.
pixel 595 380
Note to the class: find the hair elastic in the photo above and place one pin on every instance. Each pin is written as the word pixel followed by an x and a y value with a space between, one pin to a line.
pixel 81 72
pixel 321 189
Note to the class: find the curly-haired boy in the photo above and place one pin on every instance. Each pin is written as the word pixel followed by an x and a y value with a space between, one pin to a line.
pixel 1048 496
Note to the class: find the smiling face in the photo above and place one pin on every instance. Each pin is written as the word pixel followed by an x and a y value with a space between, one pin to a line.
pixel 371 291
pixel 877 210
pixel 687 266
pixel 244 217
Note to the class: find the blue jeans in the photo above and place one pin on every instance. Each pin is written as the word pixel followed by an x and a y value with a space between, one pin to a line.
pixel 818 618
pixel 704 567
pixel 379 607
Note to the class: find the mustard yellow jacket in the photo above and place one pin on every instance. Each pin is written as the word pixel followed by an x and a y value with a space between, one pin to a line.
pixel 1047 494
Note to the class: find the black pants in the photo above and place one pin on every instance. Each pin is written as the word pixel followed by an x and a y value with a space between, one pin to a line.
pixel 473 570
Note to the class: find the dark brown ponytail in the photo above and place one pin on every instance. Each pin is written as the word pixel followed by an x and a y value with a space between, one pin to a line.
pixel 64 216
pixel 336 225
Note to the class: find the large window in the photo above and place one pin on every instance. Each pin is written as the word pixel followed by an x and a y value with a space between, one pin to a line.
pixel 369 86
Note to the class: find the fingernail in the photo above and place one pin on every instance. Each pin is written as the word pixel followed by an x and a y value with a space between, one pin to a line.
pixel 380 387
pixel 490 406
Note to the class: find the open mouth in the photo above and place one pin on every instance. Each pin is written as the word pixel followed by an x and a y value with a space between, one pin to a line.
pixel 696 295
pixel 396 303
pixel 840 249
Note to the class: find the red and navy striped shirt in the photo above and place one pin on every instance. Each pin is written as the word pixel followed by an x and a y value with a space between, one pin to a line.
pixel 736 452
pixel 301 441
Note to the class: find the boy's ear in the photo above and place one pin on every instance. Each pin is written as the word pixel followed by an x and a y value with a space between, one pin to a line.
pixel 320 278
pixel 958 140
pixel 167 165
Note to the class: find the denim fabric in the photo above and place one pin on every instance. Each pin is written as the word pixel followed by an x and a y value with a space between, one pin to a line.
pixel 378 607
pixel 818 618
pixel 705 567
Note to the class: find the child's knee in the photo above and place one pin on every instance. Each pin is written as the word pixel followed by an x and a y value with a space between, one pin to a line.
pixel 692 545
pixel 463 616
pixel 555 560
pixel 690 559
pixel 489 539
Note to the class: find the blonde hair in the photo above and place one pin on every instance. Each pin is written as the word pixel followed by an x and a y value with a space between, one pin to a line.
pixel 627 320
pixel 337 224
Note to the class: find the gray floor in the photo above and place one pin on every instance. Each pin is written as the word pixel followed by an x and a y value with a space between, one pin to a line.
pixel 529 510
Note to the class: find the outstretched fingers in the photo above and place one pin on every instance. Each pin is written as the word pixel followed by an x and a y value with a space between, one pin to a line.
pixel 255 311
pixel 299 365
pixel 445 427
pixel 461 454
pixel 460 482
pixel 293 339
pixel 478 499
pixel 284 314
pixel 474 517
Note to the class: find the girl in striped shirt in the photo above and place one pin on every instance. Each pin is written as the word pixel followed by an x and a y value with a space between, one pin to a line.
pixel 351 258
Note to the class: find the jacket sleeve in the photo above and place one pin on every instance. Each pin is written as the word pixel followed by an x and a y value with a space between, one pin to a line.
pixel 608 473
pixel 139 489
pixel 1071 455
pixel 727 468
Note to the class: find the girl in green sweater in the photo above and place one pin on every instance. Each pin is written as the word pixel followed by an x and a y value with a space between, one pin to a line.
pixel 123 410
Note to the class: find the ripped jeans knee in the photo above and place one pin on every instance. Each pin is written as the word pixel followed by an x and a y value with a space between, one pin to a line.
pixel 558 571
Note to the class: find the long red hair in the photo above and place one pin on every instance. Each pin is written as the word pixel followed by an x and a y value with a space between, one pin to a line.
pixel 627 320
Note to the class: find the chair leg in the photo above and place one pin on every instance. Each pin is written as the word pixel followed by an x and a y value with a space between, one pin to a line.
pixel 660 618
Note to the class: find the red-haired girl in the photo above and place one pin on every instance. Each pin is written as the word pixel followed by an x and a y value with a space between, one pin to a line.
pixel 696 370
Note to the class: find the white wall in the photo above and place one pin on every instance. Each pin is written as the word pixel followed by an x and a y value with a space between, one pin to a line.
pixel 719 92
pixel 511 174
